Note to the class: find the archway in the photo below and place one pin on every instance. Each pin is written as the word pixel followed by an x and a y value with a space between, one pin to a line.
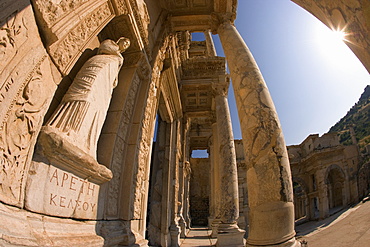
pixel 335 180
pixel 300 200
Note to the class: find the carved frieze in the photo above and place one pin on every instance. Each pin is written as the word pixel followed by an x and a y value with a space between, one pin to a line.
pixel 203 67
pixel 116 165
pixel 20 125
pixel 13 34
pixel 66 51
pixel 120 6
pixel 52 11
pixel 26 87
pixel 141 16
pixel 141 177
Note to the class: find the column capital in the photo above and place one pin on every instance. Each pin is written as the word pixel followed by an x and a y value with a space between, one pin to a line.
pixel 221 88
pixel 220 19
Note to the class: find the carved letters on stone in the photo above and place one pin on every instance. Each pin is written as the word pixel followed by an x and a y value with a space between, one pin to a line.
pixel 54 191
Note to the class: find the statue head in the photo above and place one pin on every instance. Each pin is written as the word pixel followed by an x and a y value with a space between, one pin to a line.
pixel 123 43
pixel 109 47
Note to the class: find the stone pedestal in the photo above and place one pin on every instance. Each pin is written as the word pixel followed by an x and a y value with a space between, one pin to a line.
pixel 214 227
pixel 270 191
pixel 175 235
pixel 64 180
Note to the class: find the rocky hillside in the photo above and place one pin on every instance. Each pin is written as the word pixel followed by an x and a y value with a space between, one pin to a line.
pixel 359 118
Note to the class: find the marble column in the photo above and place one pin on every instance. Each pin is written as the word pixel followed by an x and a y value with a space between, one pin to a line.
pixel 166 187
pixel 229 233
pixel 180 215
pixel 210 151
pixel 270 190
pixel 215 182
pixel 211 50
pixel 186 207
pixel 323 194
pixel 175 228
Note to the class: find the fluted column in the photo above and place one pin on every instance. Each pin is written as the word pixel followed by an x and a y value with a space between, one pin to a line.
pixel 229 233
pixel 270 192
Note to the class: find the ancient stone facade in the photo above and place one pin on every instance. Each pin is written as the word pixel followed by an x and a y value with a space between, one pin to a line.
pixel 75 171
pixel 325 176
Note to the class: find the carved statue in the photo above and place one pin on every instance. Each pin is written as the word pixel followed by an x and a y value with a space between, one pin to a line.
pixel 82 111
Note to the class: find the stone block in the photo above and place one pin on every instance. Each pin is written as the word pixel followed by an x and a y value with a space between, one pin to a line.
pixel 56 192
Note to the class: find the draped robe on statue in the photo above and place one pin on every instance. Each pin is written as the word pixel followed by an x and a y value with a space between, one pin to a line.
pixel 81 114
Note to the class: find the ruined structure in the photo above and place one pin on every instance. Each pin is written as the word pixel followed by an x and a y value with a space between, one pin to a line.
pixel 55 191
pixel 324 176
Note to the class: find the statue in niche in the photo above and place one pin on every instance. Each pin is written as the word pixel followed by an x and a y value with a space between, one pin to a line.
pixel 80 116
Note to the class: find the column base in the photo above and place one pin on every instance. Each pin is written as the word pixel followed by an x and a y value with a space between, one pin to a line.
pixel 182 225
pixel 214 227
pixel 290 243
pixel 231 236
pixel 175 235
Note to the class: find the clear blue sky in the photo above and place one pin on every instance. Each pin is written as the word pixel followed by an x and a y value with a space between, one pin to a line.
pixel 313 79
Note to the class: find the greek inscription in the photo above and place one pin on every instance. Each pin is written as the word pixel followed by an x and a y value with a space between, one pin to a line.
pixel 64 202
pixel 66 180
pixel 74 187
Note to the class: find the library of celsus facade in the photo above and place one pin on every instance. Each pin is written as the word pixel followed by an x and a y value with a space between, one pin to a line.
pixel 85 88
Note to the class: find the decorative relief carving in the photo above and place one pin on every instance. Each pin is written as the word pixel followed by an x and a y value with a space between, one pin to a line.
pixel 114 185
pixel 18 132
pixel 52 10
pixel 120 6
pixel 221 88
pixel 12 35
pixel 142 19
pixel 146 129
pixel 203 67
pixel 66 51
pixel 123 133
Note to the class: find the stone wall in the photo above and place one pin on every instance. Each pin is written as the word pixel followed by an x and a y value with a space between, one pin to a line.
pixel 199 191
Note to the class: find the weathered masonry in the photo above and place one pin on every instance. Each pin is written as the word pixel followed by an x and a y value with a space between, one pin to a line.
pixel 86 85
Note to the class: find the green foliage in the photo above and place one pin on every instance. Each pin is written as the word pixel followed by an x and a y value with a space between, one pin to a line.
pixel 357 117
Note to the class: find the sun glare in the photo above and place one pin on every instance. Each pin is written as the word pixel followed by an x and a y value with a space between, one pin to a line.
pixel 331 44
